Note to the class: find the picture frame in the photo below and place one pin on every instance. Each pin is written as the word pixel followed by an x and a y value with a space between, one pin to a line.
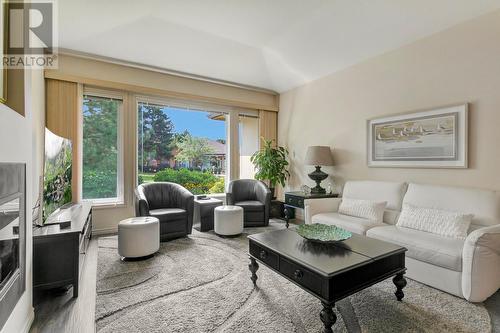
pixel 433 138
pixel 3 47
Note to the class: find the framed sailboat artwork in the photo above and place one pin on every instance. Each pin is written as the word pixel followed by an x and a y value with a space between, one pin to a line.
pixel 435 138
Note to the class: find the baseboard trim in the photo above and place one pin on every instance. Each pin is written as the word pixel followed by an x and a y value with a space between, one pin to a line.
pixel 104 231
pixel 29 322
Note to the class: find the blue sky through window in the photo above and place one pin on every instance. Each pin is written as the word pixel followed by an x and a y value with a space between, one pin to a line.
pixel 197 123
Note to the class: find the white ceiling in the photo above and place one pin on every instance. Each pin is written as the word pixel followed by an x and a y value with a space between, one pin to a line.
pixel 273 44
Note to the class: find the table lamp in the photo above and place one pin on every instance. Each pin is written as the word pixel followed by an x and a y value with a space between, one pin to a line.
pixel 318 156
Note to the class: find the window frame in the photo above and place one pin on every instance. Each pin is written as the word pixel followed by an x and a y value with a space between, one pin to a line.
pixel 232 129
pixel 119 200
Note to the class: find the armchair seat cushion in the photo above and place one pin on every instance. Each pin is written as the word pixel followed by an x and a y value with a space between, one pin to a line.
pixel 354 224
pixel 423 246
pixel 168 214
pixel 251 205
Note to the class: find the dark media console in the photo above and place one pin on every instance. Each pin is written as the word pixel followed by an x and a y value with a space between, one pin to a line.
pixel 59 253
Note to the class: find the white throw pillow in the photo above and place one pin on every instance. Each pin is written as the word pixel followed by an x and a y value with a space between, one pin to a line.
pixel 366 209
pixel 437 221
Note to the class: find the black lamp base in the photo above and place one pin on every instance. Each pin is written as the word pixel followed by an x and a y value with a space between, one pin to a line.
pixel 318 176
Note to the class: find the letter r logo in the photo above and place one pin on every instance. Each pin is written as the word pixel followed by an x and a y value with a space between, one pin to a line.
pixel 30 28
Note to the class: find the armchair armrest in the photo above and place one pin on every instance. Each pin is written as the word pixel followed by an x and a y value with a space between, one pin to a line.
pixel 263 193
pixel 141 203
pixel 317 206
pixel 229 194
pixel 229 198
pixel 481 263
pixel 185 200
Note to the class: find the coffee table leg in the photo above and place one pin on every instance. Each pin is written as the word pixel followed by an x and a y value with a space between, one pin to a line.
pixel 400 282
pixel 253 267
pixel 328 317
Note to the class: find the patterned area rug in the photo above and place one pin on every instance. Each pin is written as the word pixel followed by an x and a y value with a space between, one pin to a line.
pixel 202 284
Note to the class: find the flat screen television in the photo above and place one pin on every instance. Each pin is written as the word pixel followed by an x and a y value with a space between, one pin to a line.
pixel 56 175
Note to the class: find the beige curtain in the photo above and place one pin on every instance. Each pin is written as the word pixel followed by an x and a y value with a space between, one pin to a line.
pixel 268 125
pixel 62 112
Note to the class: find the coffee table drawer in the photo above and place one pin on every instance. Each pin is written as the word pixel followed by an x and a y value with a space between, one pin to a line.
pixel 301 275
pixel 264 255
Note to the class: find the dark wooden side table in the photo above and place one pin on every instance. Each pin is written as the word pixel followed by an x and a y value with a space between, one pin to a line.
pixel 278 210
pixel 296 200
pixel 203 219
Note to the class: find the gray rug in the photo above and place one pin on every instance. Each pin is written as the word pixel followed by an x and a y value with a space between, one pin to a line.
pixel 202 284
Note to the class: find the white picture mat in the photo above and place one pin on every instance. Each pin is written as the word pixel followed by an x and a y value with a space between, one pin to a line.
pixel 462 124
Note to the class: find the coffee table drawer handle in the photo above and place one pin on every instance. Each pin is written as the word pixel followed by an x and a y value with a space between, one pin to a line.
pixel 262 254
pixel 298 274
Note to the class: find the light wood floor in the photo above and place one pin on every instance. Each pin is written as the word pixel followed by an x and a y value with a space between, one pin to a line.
pixel 65 314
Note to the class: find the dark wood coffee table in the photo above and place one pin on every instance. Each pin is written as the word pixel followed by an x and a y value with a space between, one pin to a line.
pixel 329 272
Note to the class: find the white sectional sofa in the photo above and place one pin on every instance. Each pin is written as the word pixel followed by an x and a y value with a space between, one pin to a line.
pixel 467 268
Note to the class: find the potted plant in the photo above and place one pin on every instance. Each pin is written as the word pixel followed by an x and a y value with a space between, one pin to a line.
pixel 271 164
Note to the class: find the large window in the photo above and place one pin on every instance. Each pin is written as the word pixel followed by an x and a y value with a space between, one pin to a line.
pixel 182 145
pixel 102 176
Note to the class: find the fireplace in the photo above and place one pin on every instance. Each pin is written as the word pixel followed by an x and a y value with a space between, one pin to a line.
pixel 12 237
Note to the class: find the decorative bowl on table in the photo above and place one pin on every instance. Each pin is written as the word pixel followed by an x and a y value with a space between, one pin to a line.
pixel 323 233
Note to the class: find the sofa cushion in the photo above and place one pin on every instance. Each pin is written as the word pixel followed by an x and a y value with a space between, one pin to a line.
pixel 251 205
pixel 353 224
pixel 378 191
pixel 366 209
pixel 168 214
pixel 483 204
pixel 423 246
pixel 436 221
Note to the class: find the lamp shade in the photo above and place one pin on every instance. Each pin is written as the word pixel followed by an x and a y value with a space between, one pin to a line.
pixel 319 155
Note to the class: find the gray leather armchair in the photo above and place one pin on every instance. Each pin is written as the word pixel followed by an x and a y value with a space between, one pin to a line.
pixel 171 203
pixel 254 197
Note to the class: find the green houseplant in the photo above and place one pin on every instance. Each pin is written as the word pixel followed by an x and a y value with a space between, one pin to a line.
pixel 271 164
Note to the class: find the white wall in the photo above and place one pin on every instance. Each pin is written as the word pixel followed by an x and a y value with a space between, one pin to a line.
pixel 461 64
pixel 20 141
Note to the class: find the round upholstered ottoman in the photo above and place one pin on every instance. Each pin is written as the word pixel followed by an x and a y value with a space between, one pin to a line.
pixel 138 237
pixel 228 220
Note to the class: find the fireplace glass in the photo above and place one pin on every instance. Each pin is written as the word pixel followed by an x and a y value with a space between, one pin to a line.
pixel 12 237
pixel 9 240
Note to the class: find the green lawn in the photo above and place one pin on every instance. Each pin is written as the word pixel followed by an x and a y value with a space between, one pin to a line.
pixel 147 177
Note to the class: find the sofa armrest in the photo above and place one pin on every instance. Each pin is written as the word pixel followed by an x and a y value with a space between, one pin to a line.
pixel 481 264
pixel 316 206
pixel 141 203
